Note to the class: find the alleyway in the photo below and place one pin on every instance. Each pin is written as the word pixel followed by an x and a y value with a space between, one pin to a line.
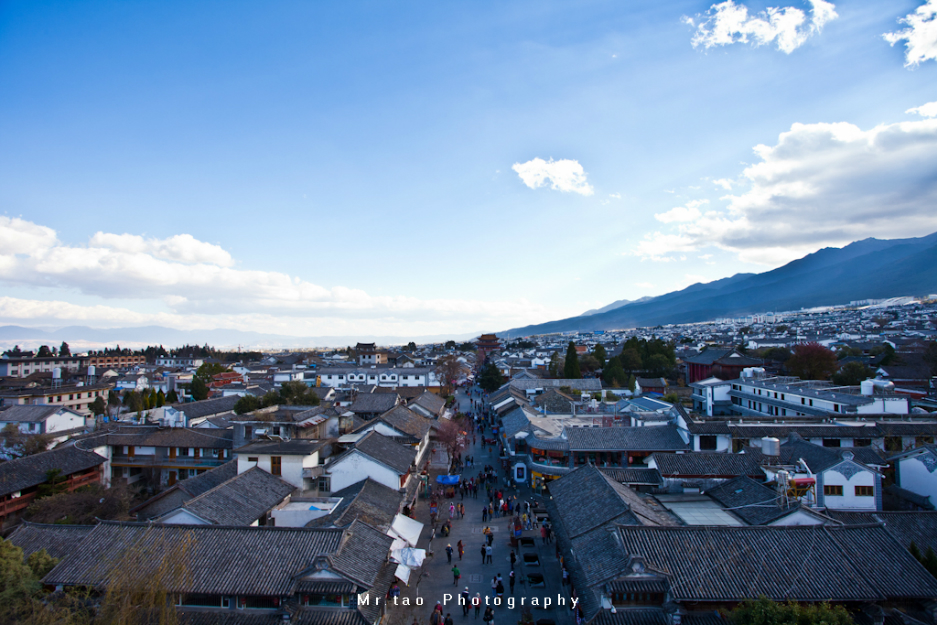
pixel 533 559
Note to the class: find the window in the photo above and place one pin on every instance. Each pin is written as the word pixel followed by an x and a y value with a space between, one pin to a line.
pixel 802 401
pixel 924 440
pixel 325 483
pixel 836 407
pixel 863 491
pixel 708 443
pixel 833 491
pixel 252 459
pixel 893 443
pixel 275 465
pixel 862 442
pixel 831 442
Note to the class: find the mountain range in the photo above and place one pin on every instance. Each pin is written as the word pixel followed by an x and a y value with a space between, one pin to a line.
pixel 867 269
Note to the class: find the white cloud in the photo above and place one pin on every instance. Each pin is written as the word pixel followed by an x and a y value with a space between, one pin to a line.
pixel 926 110
pixel 821 184
pixel 921 36
pixel 726 183
pixel 617 196
pixel 183 248
pixel 563 175
pixel 688 212
pixel 727 23
pixel 181 281
pixel 645 285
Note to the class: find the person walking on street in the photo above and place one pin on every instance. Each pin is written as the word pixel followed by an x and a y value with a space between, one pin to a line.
pixel 543 535
pixel 483 553
pixel 477 604
pixel 488 554
pixel 460 549
pixel 464 597
pixel 456 575
pixel 489 617
pixel 499 587
pixel 448 620
pixel 511 582
pixel 449 554
pixel 514 559
pixel 485 514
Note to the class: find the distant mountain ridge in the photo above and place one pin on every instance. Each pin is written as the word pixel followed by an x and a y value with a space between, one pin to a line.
pixel 867 269
pixel 617 304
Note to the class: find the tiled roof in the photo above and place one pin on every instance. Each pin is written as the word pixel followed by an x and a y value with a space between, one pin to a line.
pixel 208 407
pixel 431 402
pixel 57 540
pixel 374 402
pixel 906 428
pixel 906 527
pixel 241 500
pixel 402 418
pixel 384 450
pixel 707 427
pixel 664 438
pixel 294 447
pixel 751 501
pixel 781 431
pixel 709 464
pixel 184 490
pixel 586 499
pixel 820 458
pixel 367 501
pixel 723 356
pixel 152 436
pixel 29 471
pixel 633 476
pixel 585 384
pixel 799 563
pixel 256 560
pixel 27 413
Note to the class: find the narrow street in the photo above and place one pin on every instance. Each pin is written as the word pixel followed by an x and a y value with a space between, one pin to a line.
pixel 537 569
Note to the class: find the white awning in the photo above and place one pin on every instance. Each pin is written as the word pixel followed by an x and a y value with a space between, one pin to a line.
pixel 406 529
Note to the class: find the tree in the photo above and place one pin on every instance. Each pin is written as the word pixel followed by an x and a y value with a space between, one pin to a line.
pixel 449 345
pixel 571 363
pixel 172 397
pixel 555 367
pixel 296 393
pixel 83 506
pixel 64 350
pixel 631 360
pixel 246 404
pixel 55 483
pixel 198 389
pixel 451 433
pixel 776 354
pixel 44 352
pixel 490 379
pixel 98 406
pixel 768 612
pixel 589 363
pixel 160 398
pixel 671 398
pixel 812 361
pixel 630 384
pixel 931 356
pixel 19 444
pixel 928 559
pixel 658 365
pixel 614 375
pixel 448 370
pixel 600 353
pixel 851 374
pixel 411 347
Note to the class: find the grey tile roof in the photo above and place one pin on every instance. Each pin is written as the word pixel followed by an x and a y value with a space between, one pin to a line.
pixel 633 476
pixel 723 356
pixel 241 500
pixel 294 447
pixel 906 428
pixel 585 384
pixel 663 438
pixel 710 464
pixel 184 490
pixel 751 501
pixel 820 458
pixel 801 563
pixel 385 451
pixel 587 499
pixel 406 420
pixel 707 427
pixel 781 431
pixel 374 402
pixel 431 402
pixel 222 560
pixel 29 471
pixel 208 407
pixel 57 540
pixel 367 501
pixel 25 413
pixel 638 616
pixel 906 527
pixel 152 436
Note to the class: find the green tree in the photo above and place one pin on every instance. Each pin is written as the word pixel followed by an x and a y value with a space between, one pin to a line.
pixel 44 352
pixel 56 482
pixel 589 363
pixel 671 398
pixel 812 361
pixel 600 353
pixel 630 384
pixel 767 612
pixel 631 360
pixel 160 398
pixel 411 347
pixel 296 393
pixel 449 345
pixel 246 404
pixel 172 397
pixel 40 563
pixel 851 374
pixel 555 367
pixel 64 350
pixel 198 389
pixel 490 379
pixel 614 375
pixel 98 406
pixel 571 363
pixel 927 559
pixel 658 365
pixel 776 354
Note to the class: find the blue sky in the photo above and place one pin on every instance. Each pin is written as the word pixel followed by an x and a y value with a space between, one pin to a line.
pixel 427 168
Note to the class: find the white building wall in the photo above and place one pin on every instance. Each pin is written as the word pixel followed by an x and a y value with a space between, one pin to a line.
pixel 915 476
pixel 849 500
pixel 355 467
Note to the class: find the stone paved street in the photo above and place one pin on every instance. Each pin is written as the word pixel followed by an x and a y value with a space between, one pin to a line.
pixel 436 580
